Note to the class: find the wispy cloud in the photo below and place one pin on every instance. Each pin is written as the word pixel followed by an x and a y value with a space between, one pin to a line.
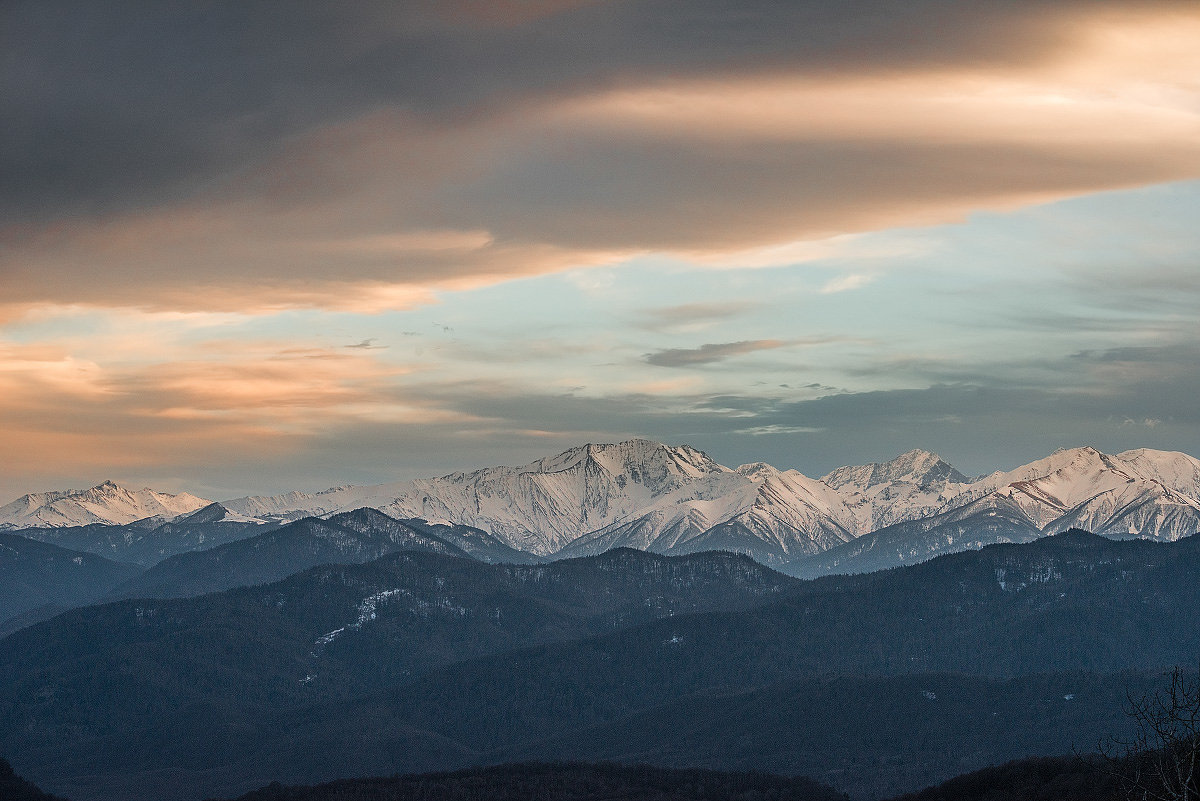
pixel 693 316
pixel 777 429
pixel 845 283
pixel 707 354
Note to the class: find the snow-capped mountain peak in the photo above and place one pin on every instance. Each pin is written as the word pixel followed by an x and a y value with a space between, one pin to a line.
pixel 676 499
pixel 758 471
pixel 915 484
pixel 538 507
pixel 1048 488
pixel 631 456
pixel 1174 470
pixel 918 467
pixel 107 502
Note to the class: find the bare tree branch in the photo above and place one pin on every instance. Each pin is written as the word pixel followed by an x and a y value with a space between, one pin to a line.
pixel 1159 762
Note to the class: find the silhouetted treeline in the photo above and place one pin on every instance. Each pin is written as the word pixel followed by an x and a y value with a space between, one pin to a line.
pixel 1043 779
pixel 14 788
pixel 561 782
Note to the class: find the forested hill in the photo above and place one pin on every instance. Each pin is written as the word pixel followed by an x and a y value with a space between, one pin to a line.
pixel 561 782
pixel 14 788
pixel 420 662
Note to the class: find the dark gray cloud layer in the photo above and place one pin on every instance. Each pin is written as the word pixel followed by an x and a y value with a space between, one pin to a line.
pixel 113 105
pixel 707 354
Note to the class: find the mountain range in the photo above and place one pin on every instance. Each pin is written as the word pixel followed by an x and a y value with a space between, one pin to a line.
pixel 612 602
pixel 39 580
pixel 677 500
pixel 107 503
pixel 425 661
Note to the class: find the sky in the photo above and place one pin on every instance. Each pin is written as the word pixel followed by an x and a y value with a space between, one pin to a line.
pixel 254 247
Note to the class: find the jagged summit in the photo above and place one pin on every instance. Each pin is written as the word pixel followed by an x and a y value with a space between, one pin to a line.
pixel 758 471
pixel 107 502
pixel 1138 494
pixel 539 507
pixel 915 484
pixel 917 466
pixel 675 499
pixel 635 455
pixel 1174 470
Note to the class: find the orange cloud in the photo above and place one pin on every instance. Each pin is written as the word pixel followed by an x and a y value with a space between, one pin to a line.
pixel 386 210
pixel 217 404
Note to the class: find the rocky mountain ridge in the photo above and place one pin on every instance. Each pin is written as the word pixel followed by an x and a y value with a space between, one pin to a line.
pixel 678 500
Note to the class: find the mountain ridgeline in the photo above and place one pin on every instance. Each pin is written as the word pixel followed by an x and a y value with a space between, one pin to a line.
pixel 38 580
pixel 880 629
pixel 673 500
pixel 562 782
pixel 345 538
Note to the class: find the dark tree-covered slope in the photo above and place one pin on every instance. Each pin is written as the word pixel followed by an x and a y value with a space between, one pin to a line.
pixel 147 542
pixel 14 788
pixel 347 538
pixel 1065 778
pixel 332 632
pixel 36 575
pixel 419 662
pixel 560 782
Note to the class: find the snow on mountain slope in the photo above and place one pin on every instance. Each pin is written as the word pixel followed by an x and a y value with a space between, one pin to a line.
pixel 673 517
pixel 987 521
pixel 669 499
pixel 676 500
pixel 546 505
pixel 771 515
pixel 108 503
pixel 791 516
pixel 1152 494
pixel 1134 510
pixel 539 507
pixel 588 499
pixel 913 485
pixel 1174 470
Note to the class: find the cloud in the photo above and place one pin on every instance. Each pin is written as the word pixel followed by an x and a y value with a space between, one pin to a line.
pixel 418 150
pixel 1149 422
pixel 845 283
pixel 776 430
pixel 710 353
pixel 270 416
pixel 130 106
pixel 207 166
pixel 693 316
pixel 217 403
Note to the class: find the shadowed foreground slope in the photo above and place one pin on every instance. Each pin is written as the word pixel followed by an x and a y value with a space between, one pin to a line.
pixel 561 782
